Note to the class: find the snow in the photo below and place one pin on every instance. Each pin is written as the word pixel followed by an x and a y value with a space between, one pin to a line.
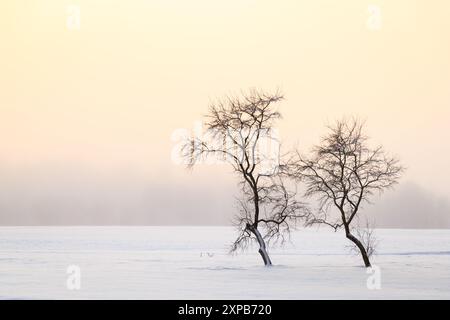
pixel 193 263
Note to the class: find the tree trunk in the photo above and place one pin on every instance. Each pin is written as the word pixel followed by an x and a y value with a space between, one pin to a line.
pixel 262 245
pixel 360 247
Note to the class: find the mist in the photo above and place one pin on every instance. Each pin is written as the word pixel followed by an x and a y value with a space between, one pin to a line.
pixel 85 197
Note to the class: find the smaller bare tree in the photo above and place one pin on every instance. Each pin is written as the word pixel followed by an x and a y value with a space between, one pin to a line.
pixel 343 173
pixel 239 129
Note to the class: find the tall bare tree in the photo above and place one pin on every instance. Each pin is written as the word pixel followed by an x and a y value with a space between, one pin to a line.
pixel 240 132
pixel 343 172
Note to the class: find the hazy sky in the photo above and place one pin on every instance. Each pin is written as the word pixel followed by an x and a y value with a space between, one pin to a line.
pixel 87 114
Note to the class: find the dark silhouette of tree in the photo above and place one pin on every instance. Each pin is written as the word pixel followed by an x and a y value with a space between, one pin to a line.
pixel 343 172
pixel 238 132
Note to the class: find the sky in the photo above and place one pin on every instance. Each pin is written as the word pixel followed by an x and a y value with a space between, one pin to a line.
pixel 93 91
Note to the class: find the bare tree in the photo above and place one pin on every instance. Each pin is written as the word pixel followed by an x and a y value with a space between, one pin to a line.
pixel 240 129
pixel 343 173
pixel 366 235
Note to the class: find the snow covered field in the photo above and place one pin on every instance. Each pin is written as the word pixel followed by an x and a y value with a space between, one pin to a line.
pixel 192 263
